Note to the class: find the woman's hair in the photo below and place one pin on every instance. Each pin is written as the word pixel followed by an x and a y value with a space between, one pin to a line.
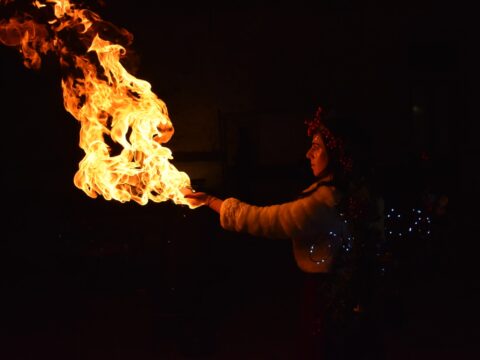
pixel 345 142
pixel 349 159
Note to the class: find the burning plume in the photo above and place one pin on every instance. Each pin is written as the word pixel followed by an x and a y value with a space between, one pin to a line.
pixel 110 104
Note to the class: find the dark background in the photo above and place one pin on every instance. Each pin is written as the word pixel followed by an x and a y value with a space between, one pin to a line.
pixel 88 278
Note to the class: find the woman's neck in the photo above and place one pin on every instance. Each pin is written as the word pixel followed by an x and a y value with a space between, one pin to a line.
pixel 324 177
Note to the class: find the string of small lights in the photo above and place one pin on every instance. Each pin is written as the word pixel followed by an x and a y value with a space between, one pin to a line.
pixel 398 226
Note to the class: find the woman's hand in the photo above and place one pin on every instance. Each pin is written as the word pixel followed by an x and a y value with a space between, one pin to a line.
pixel 195 199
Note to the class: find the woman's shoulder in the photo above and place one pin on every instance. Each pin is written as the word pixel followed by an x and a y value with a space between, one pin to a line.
pixel 323 190
pixel 324 182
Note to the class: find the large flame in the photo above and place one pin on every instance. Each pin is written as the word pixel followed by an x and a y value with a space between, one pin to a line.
pixel 109 102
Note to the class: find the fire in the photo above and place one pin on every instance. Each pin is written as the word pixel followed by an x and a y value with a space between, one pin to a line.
pixel 109 102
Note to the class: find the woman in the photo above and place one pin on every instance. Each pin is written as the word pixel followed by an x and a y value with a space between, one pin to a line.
pixel 331 226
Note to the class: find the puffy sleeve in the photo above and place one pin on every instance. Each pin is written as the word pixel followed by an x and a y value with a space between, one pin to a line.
pixel 303 217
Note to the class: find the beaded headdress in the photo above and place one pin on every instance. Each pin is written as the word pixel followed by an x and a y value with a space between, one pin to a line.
pixel 332 142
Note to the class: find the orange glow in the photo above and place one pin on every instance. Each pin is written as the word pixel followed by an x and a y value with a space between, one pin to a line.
pixel 110 104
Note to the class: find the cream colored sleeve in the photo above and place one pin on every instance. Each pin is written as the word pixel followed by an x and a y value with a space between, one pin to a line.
pixel 305 216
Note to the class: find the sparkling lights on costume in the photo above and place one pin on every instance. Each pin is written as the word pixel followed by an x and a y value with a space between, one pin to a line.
pixel 414 223
pixel 398 226
pixel 344 241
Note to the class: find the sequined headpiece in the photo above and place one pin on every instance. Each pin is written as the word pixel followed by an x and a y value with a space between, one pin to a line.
pixel 332 142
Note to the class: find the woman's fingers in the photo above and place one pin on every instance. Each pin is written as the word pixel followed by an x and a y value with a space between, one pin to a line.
pixel 196 195
pixel 186 191
pixel 196 198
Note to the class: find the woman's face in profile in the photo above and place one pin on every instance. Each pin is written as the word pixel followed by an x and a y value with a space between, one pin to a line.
pixel 317 154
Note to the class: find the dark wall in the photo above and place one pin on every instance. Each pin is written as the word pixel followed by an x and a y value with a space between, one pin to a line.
pixel 402 70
